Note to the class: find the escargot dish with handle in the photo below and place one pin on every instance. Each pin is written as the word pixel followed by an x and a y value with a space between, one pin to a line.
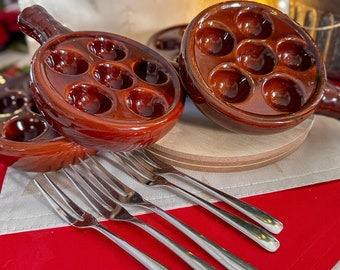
pixel 101 90
pixel 27 141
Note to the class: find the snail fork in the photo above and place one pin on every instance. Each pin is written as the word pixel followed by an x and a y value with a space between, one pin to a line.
pixel 105 201
pixel 156 166
pixel 133 198
pixel 73 214
pixel 148 178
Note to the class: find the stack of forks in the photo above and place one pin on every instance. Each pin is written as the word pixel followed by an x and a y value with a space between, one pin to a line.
pixel 107 195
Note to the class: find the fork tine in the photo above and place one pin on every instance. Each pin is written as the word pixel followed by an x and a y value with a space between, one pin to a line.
pixel 130 168
pixel 257 234
pixel 152 159
pixel 56 206
pixel 261 217
pixel 86 220
pixel 223 256
pixel 91 199
pixel 65 198
pixel 136 169
pixel 119 213
pixel 105 198
pixel 111 183
pixel 147 164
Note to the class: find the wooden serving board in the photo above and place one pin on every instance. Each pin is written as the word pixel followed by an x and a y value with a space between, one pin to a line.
pixel 197 143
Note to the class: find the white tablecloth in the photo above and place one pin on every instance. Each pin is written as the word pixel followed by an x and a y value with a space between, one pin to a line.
pixel 316 160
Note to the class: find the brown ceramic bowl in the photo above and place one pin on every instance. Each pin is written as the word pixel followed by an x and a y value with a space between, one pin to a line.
pixel 101 90
pixel 250 68
pixel 27 141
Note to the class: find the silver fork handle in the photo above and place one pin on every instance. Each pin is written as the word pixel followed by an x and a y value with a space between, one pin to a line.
pixel 264 219
pixel 227 259
pixel 260 236
pixel 144 259
pixel 188 257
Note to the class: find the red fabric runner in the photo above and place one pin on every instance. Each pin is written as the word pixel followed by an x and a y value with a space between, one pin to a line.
pixel 310 239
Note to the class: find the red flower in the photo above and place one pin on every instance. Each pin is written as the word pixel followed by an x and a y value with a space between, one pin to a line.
pixel 8 26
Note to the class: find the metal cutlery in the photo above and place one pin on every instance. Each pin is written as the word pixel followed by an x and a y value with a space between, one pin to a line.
pixel 69 211
pixel 130 197
pixel 105 203
pixel 156 166
pixel 260 236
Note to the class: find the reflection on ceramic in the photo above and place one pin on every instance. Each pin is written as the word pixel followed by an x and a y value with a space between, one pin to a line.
pixel 27 141
pixel 101 90
pixel 250 68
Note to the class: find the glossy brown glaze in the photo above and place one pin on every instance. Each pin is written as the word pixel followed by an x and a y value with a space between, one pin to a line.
pixel 27 141
pixel 330 103
pixel 167 42
pixel 250 68
pixel 101 90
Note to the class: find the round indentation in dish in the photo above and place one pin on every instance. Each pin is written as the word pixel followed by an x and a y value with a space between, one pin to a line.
pixel 67 62
pixel 253 24
pixel 256 57
pixel 12 102
pixel 24 128
pixel 230 85
pixel 107 49
pixel 147 103
pixel 113 76
pixel 215 41
pixel 88 98
pixel 294 54
pixel 283 94
pixel 150 72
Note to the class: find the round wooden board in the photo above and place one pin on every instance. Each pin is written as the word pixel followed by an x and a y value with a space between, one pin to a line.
pixel 197 143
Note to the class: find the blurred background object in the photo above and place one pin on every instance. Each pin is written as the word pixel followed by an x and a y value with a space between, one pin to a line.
pixel 10 35
pixel 131 18
pixel 282 5
pixel 322 20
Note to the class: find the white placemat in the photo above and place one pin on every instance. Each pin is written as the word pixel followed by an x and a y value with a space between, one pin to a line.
pixel 317 160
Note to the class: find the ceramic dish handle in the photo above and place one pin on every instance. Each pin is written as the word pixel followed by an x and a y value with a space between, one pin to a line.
pixel 35 22
pixel 330 103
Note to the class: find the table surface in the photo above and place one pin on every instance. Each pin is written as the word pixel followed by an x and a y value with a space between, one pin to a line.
pixel 309 240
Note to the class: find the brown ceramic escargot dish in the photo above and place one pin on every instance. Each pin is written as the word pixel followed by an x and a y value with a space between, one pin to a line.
pixel 27 141
pixel 98 89
pixel 250 68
